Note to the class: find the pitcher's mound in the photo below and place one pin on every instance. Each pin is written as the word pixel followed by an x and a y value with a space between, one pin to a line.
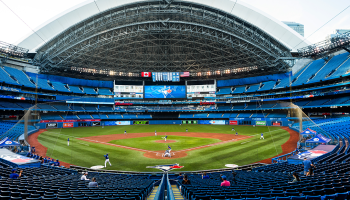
pixel 162 141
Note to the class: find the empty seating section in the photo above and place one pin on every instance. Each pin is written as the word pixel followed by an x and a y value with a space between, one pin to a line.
pixel 277 115
pixel 103 116
pixel 76 107
pixel 75 89
pixel 95 116
pixel 13 130
pixel 343 70
pixel 105 108
pixel 200 115
pixel 267 105
pixel 90 108
pixel 233 115
pixel 318 102
pixel 244 115
pixel 114 116
pixel 338 101
pixel 43 84
pixel 330 67
pixel 62 184
pixel 252 106
pixel 215 115
pixel 4 77
pixel 144 116
pixel 69 116
pixel 227 115
pixel 50 117
pixel 129 116
pixel 283 105
pixel 238 90
pixel 239 106
pixel 59 87
pixel 21 77
pixel 267 85
pixel 224 91
pixel 283 83
pixel 105 91
pixel 224 107
pixel 259 115
pixel 9 105
pixel 301 103
pixel 310 70
pixel 186 115
pixel 84 116
pixel 23 104
pixel 62 107
pixel 44 106
pixel 88 90
pixel 253 88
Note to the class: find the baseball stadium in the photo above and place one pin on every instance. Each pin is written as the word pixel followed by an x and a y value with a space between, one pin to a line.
pixel 173 99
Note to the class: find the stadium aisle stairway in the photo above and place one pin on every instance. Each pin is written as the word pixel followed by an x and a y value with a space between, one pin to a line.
pixel 176 192
pixel 153 193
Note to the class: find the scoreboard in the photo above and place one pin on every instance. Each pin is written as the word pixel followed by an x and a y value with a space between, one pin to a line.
pixel 166 76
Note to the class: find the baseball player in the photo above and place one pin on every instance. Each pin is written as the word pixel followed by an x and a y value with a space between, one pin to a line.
pixel 107 160
pixel 169 148
pixel 236 133
pixel 125 133
pixel 167 154
pixel 68 142
pixel 262 136
pixel 155 133
pixel 186 130
pixel 233 129
pixel 165 137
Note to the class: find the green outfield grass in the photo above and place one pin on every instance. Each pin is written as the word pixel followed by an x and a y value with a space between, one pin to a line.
pixel 89 154
pixel 149 143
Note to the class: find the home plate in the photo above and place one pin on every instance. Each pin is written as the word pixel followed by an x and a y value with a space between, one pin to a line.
pixel 97 167
pixel 231 165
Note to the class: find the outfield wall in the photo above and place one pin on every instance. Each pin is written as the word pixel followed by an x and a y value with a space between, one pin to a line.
pixel 49 124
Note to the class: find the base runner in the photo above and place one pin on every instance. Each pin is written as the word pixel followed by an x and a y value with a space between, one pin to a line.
pixel 167 154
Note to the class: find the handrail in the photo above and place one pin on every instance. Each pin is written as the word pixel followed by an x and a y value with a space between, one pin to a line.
pixel 160 192
pixel 170 193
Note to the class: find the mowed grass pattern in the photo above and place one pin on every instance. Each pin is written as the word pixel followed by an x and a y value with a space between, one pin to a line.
pixel 149 143
pixel 89 154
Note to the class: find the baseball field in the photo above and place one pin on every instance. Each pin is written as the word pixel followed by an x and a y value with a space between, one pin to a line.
pixel 201 147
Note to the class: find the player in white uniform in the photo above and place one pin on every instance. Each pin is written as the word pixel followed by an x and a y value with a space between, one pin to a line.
pixel 262 136
pixel 155 133
pixel 167 154
pixel 68 142
pixel 125 133
pixel 107 160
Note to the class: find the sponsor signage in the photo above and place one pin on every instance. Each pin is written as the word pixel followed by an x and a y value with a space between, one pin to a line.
pixel 260 123
pixel 207 103
pixel 51 125
pixel 68 125
pixel 213 122
pixel 232 122
pixel 9 89
pixel 96 124
pixel 71 120
pixel 117 123
pixel 276 124
pixel 140 122
pixel 123 104
pixel 184 74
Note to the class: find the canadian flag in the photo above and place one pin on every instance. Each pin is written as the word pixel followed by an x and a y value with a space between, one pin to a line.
pixel 145 74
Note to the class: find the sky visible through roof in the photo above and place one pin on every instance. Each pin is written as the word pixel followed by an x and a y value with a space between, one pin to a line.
pixel 312 13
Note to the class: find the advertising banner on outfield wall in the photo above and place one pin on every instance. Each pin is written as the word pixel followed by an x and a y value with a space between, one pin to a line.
pixel 140 122
pixel 276 124
pixel 51 125
pixel 214 122
pixel 71 120
pixel 68 125
pixel 96 124
pixel 233 122
pixel 117 123
pixel 260 123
